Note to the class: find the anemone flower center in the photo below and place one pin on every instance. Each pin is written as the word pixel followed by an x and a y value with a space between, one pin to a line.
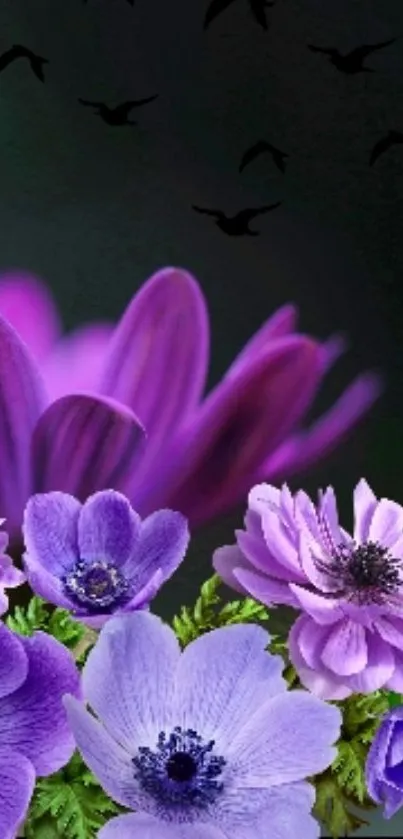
pixel 367 573
pixel 181 770
pixel 96 584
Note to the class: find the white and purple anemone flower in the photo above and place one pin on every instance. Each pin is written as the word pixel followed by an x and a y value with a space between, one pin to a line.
pixel 349 637
pixel 205 743
pixel 35 736
pixel 72 408
pixel 99 558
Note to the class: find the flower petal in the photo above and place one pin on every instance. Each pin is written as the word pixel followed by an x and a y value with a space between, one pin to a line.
pixel 310 446
pixel 282 323
pixel 108 528
pixel 13 662
pixel 265 589
pixel 128 676
pixel 321 682
pixel 22 398
pixel 246 812
pixel 310 638
pixel 215 462
pixel 17 783
pixel 110 763
pixel 387 523
pixel 50 531
pixel 32 719
pixel 376 759
pixel 230 669
pixel 163 542
pixel 323 610
pixel 143 826
pixel 276 746
pixel 64 370
pixel 365 503
pixel 27 304
pixel 83 444
pixel 379 669
pixel 225 561
pixel 345 651
pixel 164 329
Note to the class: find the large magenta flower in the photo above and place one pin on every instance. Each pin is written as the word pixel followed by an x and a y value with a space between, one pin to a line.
pixel 201 456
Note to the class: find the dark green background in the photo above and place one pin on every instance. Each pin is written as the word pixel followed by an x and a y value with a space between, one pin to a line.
pixel 94 210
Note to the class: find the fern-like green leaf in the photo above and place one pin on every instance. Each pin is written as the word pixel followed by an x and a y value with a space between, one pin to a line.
pixel 205 615
pixel 39 615
pixel 342 787
pixel 70 803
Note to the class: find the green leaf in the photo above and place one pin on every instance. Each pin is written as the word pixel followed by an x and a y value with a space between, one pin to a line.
pixel 205 615
pixel 394 699
pixel 69 804
pixel 39 615
pixel 342 787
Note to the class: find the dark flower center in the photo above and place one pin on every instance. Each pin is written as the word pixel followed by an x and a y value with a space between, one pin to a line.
pixel 181 770
pixel 97 585
pixel 367 574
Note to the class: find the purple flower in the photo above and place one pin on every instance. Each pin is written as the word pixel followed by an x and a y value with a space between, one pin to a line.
pixel 79 443
pixel 349 638
pixel 384 767
pixel 99 558
pixel 201 456
pixel 35 736
pixel 10 577
pixel 202 744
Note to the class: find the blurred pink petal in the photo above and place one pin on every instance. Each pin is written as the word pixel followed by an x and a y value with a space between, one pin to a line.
pixel 77 360
pixel 28 305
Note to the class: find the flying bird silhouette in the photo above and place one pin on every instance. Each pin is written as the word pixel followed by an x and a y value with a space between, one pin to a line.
pixel 262 147
pixel 392 138
pixel 257 7
pixel 36 62
pixel 352 62
pixel 237 225
pixel 119 115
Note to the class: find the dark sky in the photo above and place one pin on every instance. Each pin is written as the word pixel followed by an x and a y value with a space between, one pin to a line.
pixel 94 209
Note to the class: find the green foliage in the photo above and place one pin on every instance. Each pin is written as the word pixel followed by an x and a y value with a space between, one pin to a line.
pixel 394 699
pixel 69 804
pixel 205 615
pixel 341 788
pixel 39 615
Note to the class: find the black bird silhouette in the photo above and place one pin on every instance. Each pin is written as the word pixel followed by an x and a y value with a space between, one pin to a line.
pixel 392 138
pixel 36 62
pixel 261 148
pixel 257 7
pixel 237 225
pixel 352 62
pixel 118 115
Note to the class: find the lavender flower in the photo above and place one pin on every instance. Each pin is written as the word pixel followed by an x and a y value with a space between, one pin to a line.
pixel 99 558
pixel 34 733
pixel 384 767
pixel 349 638
pixel 201 456
pixel 203 744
